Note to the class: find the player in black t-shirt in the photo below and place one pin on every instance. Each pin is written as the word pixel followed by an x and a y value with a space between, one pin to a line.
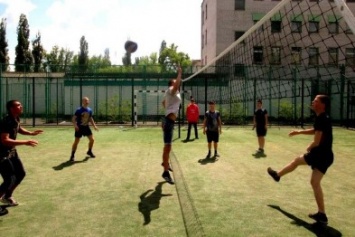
pixel 319 154
pixel 11 167
pixel 260 123
pixel 212 127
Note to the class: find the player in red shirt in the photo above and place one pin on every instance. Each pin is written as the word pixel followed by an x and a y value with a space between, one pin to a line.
pixel 192 114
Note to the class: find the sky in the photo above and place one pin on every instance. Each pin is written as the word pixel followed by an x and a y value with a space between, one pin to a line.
pixel 107 24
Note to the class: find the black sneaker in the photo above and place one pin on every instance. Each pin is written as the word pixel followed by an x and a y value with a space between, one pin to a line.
pixel 319 217
pixel 170 169
pixel 167 177
pixel 273 174
pixel 89 153
pixel 71 159
pixel 208 155
pixel 3 211
pixel 259 151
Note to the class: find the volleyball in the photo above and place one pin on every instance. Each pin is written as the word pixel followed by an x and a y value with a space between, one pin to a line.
pixel 130 46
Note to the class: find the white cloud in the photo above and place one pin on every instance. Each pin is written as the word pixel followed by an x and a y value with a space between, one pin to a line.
pixel 14 8
pixel 108 24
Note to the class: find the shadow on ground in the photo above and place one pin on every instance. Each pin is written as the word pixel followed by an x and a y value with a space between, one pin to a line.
pixel 68 163
pixel 259 155
pixel 207 160
pixel 150 201
pixel 319 230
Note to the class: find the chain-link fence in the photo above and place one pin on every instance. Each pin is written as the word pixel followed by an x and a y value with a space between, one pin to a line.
pixel 135 95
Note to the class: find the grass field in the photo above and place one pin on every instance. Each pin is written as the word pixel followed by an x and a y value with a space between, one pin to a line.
pixel 121 193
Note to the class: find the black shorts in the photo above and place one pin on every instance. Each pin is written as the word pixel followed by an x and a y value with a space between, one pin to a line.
pixel 212 136
pixel 319 159
pixel 261 131
pixel 83 131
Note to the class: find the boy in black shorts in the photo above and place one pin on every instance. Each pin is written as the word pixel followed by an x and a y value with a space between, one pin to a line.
pixel 319 154
pixel 260 123
pixel 212 127
pixel 81 120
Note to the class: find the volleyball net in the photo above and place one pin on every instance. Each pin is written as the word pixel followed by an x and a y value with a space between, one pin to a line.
pixel 290 54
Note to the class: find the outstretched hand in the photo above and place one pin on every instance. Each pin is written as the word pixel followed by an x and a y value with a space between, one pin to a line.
pixel 34 133
pixel 31 143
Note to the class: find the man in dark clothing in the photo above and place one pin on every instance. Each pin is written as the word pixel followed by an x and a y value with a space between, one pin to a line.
pixel 319 154
pixel 11 167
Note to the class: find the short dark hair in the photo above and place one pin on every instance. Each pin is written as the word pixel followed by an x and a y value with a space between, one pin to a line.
pixel 259 101
pixel 171 81
pixel 324 99
pixel 10 104
pixel 211 102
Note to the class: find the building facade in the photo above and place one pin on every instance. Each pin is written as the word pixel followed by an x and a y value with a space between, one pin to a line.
pixel 224 21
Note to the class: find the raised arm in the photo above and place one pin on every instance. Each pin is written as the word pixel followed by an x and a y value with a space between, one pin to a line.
pixel 177 83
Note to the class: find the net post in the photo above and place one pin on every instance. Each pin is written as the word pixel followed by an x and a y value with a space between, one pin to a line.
pixel 342 88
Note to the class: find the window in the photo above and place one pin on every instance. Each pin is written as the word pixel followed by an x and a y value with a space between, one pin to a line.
pixel 276 21
pixel 313 56
pixel 333 56
pixel 275 55
pixel 296 55
pixel 296 24
pixel 202 41
pixel 239 5
pixel 203 17
pixel 206 12
pixel 238 34
pixel 258 55
pixel 350 57
pixel 333 24
pixel 313 23
pixel 206 37
pixel 239 70
pixel 257 17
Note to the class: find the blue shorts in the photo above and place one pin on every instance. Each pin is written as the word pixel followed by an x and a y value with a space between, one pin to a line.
pixel 168 129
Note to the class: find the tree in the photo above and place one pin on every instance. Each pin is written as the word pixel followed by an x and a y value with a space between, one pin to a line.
pixel 67 59
pixel 52 59
pixel 107 55
pixel 83 58
pixel 59 59
pixel 23 59
pixel 170 58
pixel 37 52
pixel 99 62
pixel 162 47
pixel 4 57
pixel 126 60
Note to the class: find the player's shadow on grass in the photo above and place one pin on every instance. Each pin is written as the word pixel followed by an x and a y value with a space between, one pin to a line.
pixel 208 160
pixel 150 201
pixel 189 140
pixel 4 211
pixel 318 229
pixel 68 163
pixel 259 155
